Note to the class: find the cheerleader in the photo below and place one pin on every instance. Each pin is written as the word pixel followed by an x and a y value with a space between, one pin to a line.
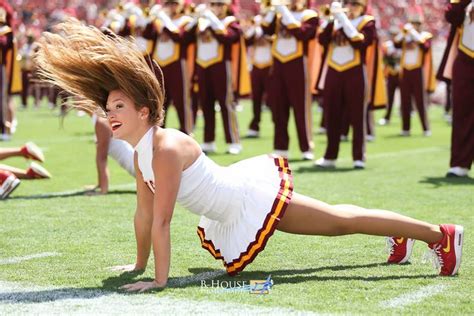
pixel 241 205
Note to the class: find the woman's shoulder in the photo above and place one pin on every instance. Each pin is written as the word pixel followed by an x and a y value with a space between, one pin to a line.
pixel 172 144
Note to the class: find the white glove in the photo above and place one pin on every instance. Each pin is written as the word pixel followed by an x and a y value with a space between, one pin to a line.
pixel 249 32
pixel 216 24
pixel 398 38
pixel 154 10
pixel 258 19
pixel 347 26
pixel 335 7
pixel 287 17
pixel 167 21
pixel 268 19
pixel 416 36
pixel 200 9
pixel 258 31
pixel 408 27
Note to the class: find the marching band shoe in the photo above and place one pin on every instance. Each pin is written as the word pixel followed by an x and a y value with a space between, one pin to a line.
pixel 405 133
pixel 344 138
pixel 383 122
pixel 457 172
pixel 307 155
pixel 208 147
pixel 427 133
pixel 36 171
pixel 251 133
pixel 359 164
pixel 322 131
pixel 370 138
pixel 31 151
pixel 8 183
pixel 234 149
pixel 325 163
pixel 281 153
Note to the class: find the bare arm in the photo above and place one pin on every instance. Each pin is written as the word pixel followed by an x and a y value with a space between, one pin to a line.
pixel 143 220
pixel 103 134
pixel 167 183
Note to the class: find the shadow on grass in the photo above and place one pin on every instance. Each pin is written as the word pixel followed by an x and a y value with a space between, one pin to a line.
pixel 442 181
pixel 69 194
pixel 112 284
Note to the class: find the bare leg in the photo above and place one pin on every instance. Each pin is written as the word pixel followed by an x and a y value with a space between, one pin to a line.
pixel 19 173
pixel 307 216
pixel 10 152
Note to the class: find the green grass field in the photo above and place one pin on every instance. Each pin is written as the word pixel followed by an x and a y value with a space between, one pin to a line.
pixel 310 274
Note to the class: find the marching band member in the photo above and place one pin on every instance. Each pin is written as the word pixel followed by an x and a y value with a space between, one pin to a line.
pixel 294 28
pixel 458 66
pixel 27 65
pixel 215 31
pixel 392 72
pixel 6 46
pixel 417 75
pixel 170 50
pixel 351 42
pixel 261 64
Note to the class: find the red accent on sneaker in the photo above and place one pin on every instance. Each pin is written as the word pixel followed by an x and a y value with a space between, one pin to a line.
pixel 400 249
pixel 31 151
pixel 448 250
pixel 8 183
pixel 36 171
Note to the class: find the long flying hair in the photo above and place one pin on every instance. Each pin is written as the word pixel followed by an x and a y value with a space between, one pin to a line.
pixel 89 65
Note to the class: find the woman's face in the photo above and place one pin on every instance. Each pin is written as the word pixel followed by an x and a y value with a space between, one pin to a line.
pixel 124 119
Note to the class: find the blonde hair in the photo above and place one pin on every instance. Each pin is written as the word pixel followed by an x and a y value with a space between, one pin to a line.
pixel 90 64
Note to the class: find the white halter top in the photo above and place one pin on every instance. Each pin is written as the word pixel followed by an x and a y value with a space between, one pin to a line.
pixel 205 189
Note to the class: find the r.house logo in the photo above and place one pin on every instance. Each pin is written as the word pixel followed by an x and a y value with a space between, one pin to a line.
pixel 252 286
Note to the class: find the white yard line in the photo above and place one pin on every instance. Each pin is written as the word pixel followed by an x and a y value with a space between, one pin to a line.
pixel 413 297
pixel 16 298
pixel 15 260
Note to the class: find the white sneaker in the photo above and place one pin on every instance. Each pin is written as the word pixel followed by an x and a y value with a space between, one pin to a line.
pixel 448 118
pixel 383 122
pixel 457 172
pixel 405 133
pixel 234 149
pixel 359 164
pixel 251 133
pixel 36 171
pixel 308 155
pixel 14 126
pixel 31 151
pixel 8 183
pixel 344 138
pixel 281 153
pixel 208 147
pixel 370 138
pixel 5 137
pixel 322 130
pixel 427 133
pixel 325 163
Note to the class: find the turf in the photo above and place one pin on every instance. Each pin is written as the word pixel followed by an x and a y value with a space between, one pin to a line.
pixel 319 274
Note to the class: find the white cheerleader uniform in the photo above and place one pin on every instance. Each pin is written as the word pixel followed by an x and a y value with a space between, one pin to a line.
pixel 240 205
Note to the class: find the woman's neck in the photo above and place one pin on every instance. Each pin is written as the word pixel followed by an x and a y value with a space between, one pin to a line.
pixel 138 135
